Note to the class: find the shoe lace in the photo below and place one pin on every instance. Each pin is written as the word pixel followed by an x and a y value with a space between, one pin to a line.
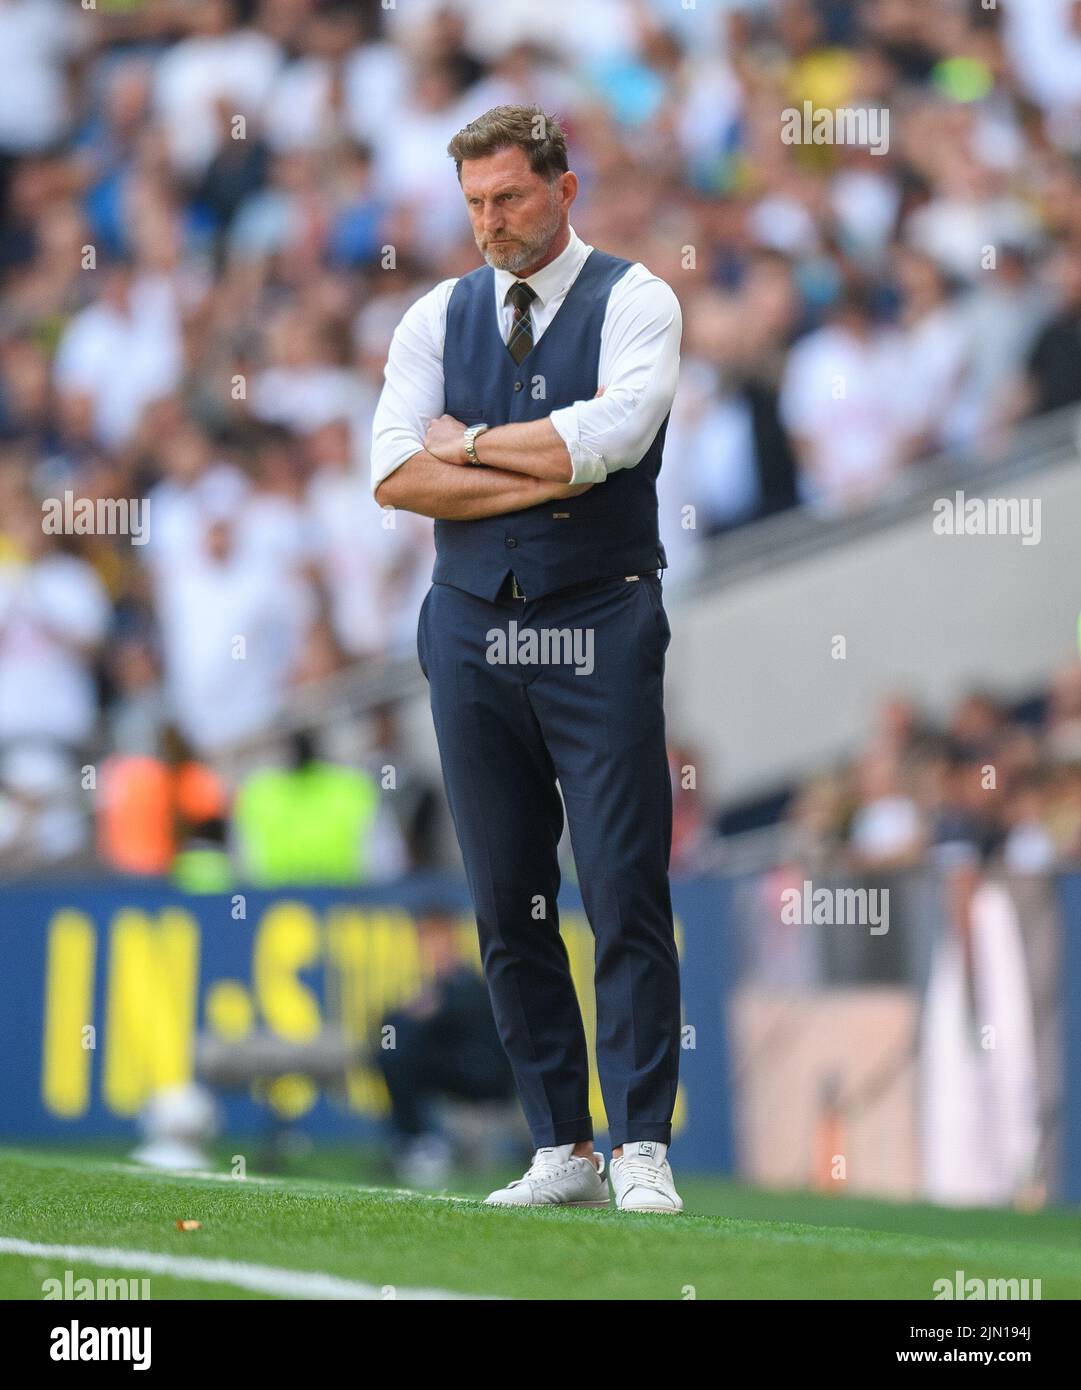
pixel 543 1169
pixel 640 1174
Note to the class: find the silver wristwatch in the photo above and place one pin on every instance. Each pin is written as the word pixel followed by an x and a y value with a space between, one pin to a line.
pixel 470 440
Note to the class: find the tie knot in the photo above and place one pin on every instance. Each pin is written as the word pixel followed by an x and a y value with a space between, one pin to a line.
pixel 521 296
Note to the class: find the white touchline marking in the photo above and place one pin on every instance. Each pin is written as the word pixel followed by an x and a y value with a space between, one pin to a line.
pixel 296 1186
pixel 291 1283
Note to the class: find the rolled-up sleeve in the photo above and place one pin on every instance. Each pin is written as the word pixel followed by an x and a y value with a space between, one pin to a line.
pixel 413 394
pixel 639 367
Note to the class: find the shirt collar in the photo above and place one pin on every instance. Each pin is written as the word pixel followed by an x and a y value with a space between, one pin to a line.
pixel 552 279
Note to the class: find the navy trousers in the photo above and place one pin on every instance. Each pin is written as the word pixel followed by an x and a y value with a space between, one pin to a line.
pixel 508 728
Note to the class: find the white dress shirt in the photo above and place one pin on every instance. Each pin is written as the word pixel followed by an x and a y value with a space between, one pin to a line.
pixel 639 365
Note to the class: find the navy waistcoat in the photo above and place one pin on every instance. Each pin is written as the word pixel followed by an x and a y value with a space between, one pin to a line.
pixel 609 530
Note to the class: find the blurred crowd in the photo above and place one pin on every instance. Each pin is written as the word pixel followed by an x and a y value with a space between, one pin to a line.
pixel 993 786
pixel 214 212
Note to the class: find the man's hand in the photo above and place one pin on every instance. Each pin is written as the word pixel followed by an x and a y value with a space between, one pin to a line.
pixel 425 485
pixel 445 439
pixel 531 447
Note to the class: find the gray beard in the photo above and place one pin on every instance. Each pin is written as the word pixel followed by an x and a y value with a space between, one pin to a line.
pixel 514 261
pixel 528 252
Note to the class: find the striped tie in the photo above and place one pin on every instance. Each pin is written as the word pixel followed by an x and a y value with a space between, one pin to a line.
pixel 520 341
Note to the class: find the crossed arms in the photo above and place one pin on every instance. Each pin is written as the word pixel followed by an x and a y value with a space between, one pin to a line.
pixel 418 455
pixel 530 464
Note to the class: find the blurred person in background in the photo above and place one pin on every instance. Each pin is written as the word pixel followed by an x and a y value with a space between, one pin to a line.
pixel 1044 38
pixel 313 822
pixel 215 60
pixel 442 1044
pixel 373 564
pixel 149 805
pixel 1053 369
pixel 412 796
pixel 27 409
pixel 313 103
pixel 231 633
pixel 40 40
pixel 1064 811
pixel 934 351
pixel 1028 846
pixel 887 830
pixel 193 483
pixel 770 309
pixel 136 713
pixel 972 207
pixel 231 181
pixel 133 321
pixel 276 524
pixel 978 723
pixel 1000 320
pixel 304 386
pixel 843 402
pixel 114 151
pixel 54 615
pixel 711 434
pixel 42 812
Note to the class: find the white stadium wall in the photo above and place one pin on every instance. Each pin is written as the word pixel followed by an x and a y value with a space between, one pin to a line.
pixel 754 687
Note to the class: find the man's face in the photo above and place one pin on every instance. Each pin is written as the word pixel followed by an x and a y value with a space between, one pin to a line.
pixel 516 214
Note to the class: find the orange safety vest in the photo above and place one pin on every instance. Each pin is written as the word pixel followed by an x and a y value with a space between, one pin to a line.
pixel 141 800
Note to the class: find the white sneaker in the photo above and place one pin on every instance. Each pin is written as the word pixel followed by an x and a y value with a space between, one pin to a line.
pixel 642 1178
pixel 556 1178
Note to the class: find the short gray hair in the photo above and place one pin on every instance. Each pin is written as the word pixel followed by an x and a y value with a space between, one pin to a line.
pixel 527 127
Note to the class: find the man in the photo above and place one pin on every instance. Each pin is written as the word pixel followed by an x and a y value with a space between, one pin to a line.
pixel 524 409
pixel 445 1045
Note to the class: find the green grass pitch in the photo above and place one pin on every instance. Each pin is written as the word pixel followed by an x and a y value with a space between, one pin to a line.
pixel 325 1221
